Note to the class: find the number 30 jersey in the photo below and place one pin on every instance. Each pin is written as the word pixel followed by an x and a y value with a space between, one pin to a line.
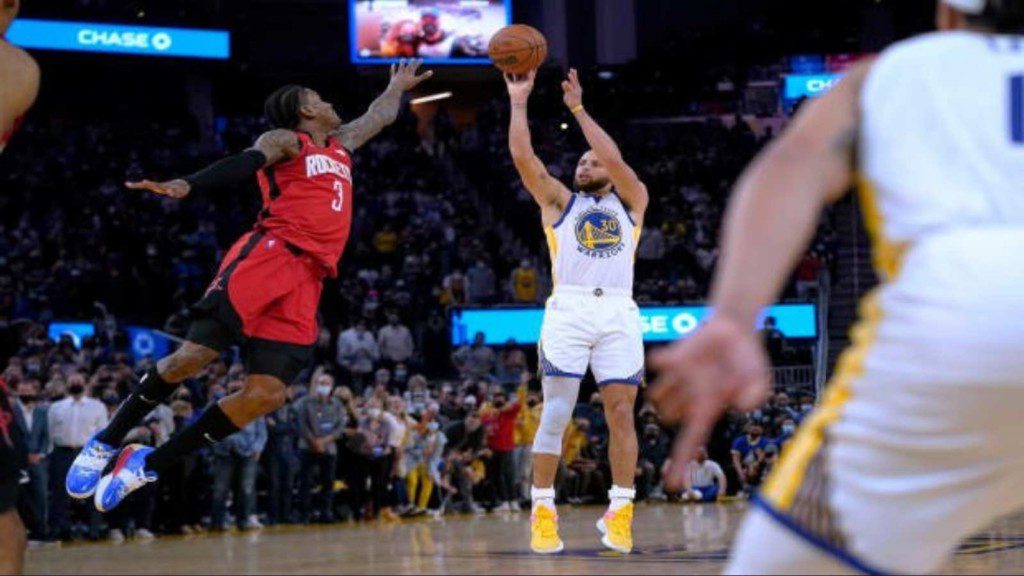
pixel 942 141
pixel 307 201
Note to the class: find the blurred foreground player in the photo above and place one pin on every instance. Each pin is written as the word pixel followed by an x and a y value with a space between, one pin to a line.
pixel 916 442
pixel 19 77
pixel 267 291
pixel 19 85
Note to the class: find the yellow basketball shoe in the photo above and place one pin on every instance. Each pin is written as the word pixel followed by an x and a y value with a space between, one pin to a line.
pixel 617 529
pixel 544 531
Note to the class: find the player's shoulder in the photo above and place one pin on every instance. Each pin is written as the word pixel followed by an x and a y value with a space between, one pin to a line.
pixel 925 54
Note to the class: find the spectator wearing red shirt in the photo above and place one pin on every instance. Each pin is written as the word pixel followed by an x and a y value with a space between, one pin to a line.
pixel 501 428
pixel 807 274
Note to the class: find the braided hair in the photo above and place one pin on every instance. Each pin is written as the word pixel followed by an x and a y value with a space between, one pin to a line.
pixel 282 107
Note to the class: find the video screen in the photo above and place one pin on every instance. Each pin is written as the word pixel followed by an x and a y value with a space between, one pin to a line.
pixel 439 31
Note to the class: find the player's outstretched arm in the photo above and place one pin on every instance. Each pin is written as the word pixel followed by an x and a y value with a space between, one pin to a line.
pixel 547 191
pixel 770 220
pixel 384 110
pixel 270 148
pixel 627 183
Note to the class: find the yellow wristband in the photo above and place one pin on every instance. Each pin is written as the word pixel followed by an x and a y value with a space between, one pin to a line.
pixel 576 109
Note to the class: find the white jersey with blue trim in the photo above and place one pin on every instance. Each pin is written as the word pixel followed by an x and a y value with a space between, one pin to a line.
pixel 593 244
pixel 942 138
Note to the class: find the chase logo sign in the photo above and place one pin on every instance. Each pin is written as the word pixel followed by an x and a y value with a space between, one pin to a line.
pixel 809 85
pixel 119 39
pixel 598 234
pixel 659 323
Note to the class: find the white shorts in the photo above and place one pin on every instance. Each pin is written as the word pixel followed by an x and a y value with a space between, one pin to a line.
pixel 916 443
pixel 592 327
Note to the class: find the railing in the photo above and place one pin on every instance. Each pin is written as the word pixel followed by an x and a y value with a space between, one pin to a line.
pixel 796 378
pixel 821 347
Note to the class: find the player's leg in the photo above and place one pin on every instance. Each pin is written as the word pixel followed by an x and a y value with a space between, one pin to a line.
pixel 764 546
pixel 153 388
pixel 13 542
pixel 563 351
pixel 618 364
pixel 217 326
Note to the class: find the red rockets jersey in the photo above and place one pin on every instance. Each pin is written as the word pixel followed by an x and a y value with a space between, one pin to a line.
pixel 307 201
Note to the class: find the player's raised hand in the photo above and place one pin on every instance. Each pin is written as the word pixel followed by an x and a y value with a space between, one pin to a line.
pixel 403 74
pixel 520 86
pixel 722 366
pixel 572 91
pixel 174 188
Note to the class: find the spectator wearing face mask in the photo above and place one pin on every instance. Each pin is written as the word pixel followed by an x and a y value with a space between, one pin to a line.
pixel 321 419
pixel 707 479
pixel 786 431
pixel 748 452
pixel 500 421
pixel 654 450
pixel 72 422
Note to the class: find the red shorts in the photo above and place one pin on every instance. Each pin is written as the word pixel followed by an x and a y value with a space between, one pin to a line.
pixel 271 289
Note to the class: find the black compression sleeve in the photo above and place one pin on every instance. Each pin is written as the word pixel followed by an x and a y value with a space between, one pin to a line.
pixel 227 172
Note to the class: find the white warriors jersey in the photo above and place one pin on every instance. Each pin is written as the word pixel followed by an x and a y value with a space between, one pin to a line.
pixel 942 140
pixel 593 243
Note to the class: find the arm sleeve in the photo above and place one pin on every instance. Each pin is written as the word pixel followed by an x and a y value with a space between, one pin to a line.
pixel 227 172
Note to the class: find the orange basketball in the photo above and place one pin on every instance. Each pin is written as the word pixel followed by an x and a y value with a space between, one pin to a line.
pixel 517 49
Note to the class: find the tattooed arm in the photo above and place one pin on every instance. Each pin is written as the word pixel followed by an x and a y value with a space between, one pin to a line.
pixel 384 110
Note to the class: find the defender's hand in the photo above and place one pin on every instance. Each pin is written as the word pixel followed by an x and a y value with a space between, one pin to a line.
pixel 403 74
pixel 520 86
pixel 720 367
pixel 572 91
pixel 174 188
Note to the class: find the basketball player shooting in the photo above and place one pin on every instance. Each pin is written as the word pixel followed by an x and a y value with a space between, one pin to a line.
pixel 591 318
pixel 266 293
pixel 916 442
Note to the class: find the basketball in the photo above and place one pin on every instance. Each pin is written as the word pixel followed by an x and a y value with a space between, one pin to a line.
pixel 517 49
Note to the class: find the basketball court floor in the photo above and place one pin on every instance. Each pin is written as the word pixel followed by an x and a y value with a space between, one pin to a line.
pixel 671 539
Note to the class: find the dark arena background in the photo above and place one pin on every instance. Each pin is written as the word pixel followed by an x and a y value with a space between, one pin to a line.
pixel 437 304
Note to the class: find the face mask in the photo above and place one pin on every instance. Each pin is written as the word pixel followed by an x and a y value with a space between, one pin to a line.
pixel 788 428
pixel 756 414
pixel 595 404
pixel 499 403
pixel 400 375
pixel 323 390
pixel 806 407
pixel 27 398
pixel 531 402
pixel 76 389
pixel 373 413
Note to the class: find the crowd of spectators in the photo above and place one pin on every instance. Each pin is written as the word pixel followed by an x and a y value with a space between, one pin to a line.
pixel 390 420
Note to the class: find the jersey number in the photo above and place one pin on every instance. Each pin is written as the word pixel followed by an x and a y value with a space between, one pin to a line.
pixel 1017 109
pixel 338 203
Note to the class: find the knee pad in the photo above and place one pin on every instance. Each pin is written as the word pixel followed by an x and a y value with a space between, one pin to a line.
pixel 559 400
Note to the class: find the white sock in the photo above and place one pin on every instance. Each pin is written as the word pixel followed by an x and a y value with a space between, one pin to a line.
pixel 620 496
pixel 543 497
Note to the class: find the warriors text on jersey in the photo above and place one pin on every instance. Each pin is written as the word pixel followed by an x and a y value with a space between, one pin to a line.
pixel 307 201
pixel 593 243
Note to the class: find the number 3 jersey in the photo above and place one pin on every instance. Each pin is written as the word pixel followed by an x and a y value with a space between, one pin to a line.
pixel 307 201
pixel 592 245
